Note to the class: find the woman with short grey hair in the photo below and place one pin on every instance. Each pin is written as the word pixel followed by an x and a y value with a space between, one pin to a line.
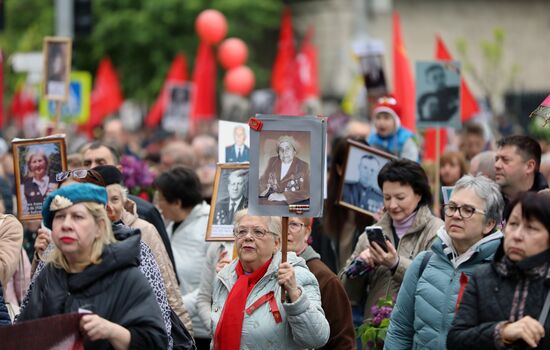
pixel 434 282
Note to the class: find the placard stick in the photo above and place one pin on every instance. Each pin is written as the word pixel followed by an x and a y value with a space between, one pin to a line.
pixel 437 189
pixel 284 243
pixel 57 117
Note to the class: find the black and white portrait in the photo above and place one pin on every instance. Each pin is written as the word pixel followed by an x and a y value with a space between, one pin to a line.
pixel 230 195
pixel 438 93
pixel 57 68
pixel 360 190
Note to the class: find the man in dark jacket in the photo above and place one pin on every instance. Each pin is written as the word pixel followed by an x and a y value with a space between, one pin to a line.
pixel 517 167
pixel 96 153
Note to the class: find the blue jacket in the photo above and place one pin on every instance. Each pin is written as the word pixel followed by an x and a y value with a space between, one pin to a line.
pixel 395 143
pixel 426 303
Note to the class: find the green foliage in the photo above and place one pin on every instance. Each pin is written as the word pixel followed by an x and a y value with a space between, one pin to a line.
pixel 142 37
pixel 494 77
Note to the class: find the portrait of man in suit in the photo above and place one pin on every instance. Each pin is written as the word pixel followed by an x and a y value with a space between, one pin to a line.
pixel 286 178
pixel 365 193
pixel 236 199
pixel 239 151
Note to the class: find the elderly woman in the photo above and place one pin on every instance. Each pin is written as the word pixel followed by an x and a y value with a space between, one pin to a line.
pixel 503 306
pixel 37 183
pixel 286 177
pixel 87 269
pixel 247 312
pixel 409 227
pixel 432 284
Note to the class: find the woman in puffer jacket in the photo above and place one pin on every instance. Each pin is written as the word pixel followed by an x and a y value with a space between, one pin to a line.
pixel 504 304
pixel 435 280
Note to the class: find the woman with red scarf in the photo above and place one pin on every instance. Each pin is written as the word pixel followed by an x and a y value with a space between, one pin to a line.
pixel 247 312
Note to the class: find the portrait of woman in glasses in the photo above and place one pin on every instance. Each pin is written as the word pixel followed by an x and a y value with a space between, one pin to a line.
pixel 434 282
pixel 247 312
pixel 37 182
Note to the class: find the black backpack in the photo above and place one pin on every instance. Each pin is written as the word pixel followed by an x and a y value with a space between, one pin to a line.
pixel 180 335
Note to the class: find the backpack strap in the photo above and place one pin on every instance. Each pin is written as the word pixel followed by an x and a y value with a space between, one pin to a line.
pixel 545 308
pixel 425 259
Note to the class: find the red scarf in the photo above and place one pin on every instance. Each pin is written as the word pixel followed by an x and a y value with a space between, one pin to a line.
pixel 229 330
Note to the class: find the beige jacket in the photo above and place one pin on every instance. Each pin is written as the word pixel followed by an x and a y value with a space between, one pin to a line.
pixel 151 237
pixel 380 281
pixel 11 241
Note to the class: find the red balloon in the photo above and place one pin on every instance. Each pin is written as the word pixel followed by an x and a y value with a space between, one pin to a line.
pixel 211 26
pixel 239 80
pixel 232 53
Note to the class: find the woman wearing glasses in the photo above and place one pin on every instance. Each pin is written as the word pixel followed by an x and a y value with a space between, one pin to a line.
pixel 409 227
pixel 247 312
pixel 505 305
pixel 434 282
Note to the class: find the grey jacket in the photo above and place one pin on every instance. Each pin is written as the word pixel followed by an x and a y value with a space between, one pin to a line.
pixel 304 325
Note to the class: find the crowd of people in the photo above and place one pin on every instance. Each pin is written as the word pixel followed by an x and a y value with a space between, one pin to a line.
pixel 472 272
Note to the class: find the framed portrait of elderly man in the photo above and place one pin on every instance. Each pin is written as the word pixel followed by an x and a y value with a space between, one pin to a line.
pixel 57 68
pixel 359 188
pixel 229 196
pixel 233 142
pixel 36 163
pixel 287 170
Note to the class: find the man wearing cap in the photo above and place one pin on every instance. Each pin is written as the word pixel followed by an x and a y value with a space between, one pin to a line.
pixel 227 207
pixel 286 177
pixel 365 192
pixel 389 135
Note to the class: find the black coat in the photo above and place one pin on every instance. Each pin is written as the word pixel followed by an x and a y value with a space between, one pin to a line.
pixel 115 289
pixel 4 315
pixel 488 300
pixel 148 212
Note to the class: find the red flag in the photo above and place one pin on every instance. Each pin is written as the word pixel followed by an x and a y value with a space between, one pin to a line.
pixel 176 74
pixel 285 54
pixel 22 103
pixel 403 81
pixel 468 103
pixel 306 62
pixel 106 95
pixel 285 80
pixel 203 106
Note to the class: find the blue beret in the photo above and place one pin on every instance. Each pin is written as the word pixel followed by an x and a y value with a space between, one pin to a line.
pixel 69 195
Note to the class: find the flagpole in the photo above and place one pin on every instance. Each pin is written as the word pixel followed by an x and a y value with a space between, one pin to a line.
pixel 437 178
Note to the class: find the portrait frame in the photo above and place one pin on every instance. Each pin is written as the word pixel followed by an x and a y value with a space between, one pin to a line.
pixel 177 112
pixel 56 80
pixel 29 205
pixel 226 141
pixel 300 183
pixel 438 94
pixel 347 194
pixel 224 232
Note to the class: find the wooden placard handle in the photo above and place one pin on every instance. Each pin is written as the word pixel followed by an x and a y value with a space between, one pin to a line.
pixel 284 249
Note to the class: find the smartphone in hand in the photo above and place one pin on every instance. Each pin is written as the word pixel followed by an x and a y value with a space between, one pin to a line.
pixel 375 234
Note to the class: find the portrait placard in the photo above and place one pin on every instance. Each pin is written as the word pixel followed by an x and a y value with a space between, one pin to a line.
pixel 233 142
pixel 176 114
pixel 288 165
pixel 36 163
pixel 438 94
pixel 229 196
pixel 359 188
pixel 57 68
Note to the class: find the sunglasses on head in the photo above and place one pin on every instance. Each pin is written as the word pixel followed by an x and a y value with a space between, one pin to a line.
pixel 81 175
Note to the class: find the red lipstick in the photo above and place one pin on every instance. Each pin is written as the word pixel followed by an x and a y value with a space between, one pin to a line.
pixel 67 239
